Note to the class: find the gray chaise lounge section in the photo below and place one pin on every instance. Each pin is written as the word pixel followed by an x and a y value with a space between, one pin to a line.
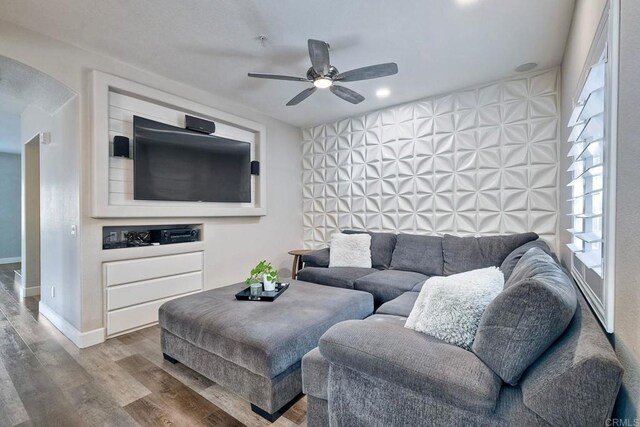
pixel 255 348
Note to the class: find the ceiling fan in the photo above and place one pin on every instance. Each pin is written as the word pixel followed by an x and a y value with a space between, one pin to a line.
pixel 324 75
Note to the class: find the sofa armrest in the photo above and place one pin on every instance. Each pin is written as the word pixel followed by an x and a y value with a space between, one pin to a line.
pixel 414 361
pixel 317 258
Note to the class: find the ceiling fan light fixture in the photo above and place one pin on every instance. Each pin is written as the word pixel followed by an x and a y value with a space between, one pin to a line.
pixel 322 82
pixel 383 92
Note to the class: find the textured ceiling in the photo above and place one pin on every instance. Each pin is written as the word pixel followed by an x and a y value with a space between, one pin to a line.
pixel 22 85
pixel 439 45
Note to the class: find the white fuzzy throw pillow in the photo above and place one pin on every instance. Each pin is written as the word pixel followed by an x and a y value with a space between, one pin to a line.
pixel 449 308
pixel 350 250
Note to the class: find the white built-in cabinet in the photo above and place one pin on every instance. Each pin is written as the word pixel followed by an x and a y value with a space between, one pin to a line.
pixel 136 288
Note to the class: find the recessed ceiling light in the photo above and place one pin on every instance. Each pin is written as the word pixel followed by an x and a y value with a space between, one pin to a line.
pixel 466 2
pixel 322 83
pixel 526 67
pixel 383 92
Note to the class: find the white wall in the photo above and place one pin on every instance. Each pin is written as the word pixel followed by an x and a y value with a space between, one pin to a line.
pixel 9 207
pixel 59 207
pixel 626 339
pixel 627 321
pixel 233 245
pixel 478 161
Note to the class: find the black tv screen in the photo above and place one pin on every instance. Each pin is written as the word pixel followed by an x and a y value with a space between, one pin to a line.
pixel 176 164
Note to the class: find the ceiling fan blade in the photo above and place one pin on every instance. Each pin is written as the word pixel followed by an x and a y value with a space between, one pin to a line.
pixel 277 77
pixel 319 54
pixel 347 94
pixel 301 96
pixel 370 72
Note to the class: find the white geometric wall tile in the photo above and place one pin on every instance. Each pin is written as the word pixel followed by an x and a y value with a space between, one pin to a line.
pixel 515 179
pixel 489 95
pixel 543 129
pixel 478 161
pixel 443 124
pixel 489 179
pixel 515 90
pixel 490 137
pixel 515 133
pixel 466 100
pixel 465 120
pixel 514 155
pixel 544 153
pixel 515 111
pixel 489 116
pixel 514 200
pixel 543 106
pixel 544 83
pixel 466 140
pixel 444 104
pixel 423 109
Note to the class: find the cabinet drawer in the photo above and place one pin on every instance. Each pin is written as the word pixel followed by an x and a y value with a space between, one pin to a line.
pixel 135 317
pixel 136 270
pixel 150 290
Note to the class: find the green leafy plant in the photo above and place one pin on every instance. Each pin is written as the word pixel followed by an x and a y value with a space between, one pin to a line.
pixel 262 270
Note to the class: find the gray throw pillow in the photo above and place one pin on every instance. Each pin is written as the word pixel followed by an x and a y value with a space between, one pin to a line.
pixel 382 245
pixel 513 258
pixel 471 253
pixel 520 324
pixel 422 254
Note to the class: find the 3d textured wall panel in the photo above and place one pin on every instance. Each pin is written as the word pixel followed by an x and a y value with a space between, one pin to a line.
pixel 478 161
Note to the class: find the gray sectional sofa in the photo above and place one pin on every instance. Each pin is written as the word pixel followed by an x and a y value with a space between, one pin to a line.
pixel 540 357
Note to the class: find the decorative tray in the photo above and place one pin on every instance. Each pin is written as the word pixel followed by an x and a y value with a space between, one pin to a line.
pixel 244 295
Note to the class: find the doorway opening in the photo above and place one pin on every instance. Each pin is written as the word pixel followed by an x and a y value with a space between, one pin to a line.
pixel 31 104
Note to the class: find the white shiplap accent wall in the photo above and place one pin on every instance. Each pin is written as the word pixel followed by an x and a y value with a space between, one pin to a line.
pixel 122 108
pixel 478 161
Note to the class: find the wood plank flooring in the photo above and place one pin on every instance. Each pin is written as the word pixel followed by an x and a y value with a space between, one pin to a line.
pixel 45 380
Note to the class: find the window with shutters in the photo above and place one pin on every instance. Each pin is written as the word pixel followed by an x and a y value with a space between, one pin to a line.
pixel 592 187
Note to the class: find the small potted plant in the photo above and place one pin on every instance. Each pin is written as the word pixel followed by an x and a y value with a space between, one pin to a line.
pixel 263 273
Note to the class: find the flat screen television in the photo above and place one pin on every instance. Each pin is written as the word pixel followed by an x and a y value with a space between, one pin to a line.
pixel 176 164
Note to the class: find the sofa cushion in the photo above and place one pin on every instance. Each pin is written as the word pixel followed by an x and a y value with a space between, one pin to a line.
pixel 315 374
pixel 422 254
pixel 413 361
pixel 386 285
pixel 534 309
pixel 382 245
pixel 471 253
pixel 317 258
pixel 339 277
pixel 400 306
pixel 576 381
pixel 512 259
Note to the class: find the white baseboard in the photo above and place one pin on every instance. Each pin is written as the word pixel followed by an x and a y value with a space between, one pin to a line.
pixel 80 339
pixel 10 260
pixel 29 292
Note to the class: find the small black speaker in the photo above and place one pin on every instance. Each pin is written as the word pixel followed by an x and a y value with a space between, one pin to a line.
pixel 121 146
pixel 199 125
pixel 255 167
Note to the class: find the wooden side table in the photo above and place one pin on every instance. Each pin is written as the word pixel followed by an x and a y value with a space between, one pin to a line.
pixel 297 261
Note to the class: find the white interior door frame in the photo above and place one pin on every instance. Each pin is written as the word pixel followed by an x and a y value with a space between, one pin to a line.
pixel 30 223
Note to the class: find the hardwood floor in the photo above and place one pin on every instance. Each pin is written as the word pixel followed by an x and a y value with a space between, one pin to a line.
pixel 45 380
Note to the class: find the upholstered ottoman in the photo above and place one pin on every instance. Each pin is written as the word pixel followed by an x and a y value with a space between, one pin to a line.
pixel 255 348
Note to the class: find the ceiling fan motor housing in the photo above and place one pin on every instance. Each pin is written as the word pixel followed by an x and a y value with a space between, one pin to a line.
pixel 312 75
